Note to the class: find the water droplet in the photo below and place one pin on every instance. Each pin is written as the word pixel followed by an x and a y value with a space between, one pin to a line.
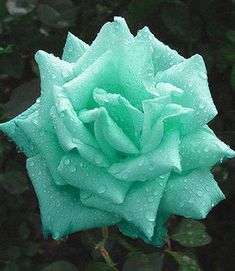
pixel 66 161
pixel 102 189
pixel 201 106
pixel 125 175
pixel 53 76
pixel 150 216
pixel 141 163
pixel 202 75
pixel 65 74
pixel 41 133
pixel 31 164
pixel 150 199
pixel 199 193
pixel 98 159
pixel 72 168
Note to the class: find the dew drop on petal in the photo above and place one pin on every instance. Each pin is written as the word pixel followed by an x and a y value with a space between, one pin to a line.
pixel 72 168
pixel 102 189
pixel 149 215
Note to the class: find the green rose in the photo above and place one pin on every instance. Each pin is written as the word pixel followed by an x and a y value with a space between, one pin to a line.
pixel 120 136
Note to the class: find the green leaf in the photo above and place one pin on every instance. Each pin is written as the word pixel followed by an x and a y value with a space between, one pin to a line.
pixel 6 50
pixel 144 262
pixel 11 267
pixel 11 65
pixel 98 267
pixel 232 79
pixel 231 35
pixel 30 249
pixel 24 231
pixel 57 14
pixel 9 252
pixel 186 261
pixel 14 182
pixel 60 266
pixel 191 233
pixel 22 97
pixel 20 7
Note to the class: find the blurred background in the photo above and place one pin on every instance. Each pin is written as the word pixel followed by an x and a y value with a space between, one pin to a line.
pixel 206 27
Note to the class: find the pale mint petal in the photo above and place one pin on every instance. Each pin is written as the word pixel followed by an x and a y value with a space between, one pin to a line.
pixel 83 175
pixel 190 76
pixel 62 212
pixel 129 118
pixel 160 230
pixel 111 34
pixel 163 56
pixel 153 164
pixel 112 133
pixel 53 72
pixel 192 194
pixel 139 207
pixel 11 129
pixel 136 74
pixel 203 149
pixel 68 142
pixel 74 48
pixel 171 116
pixel 65 120
pixel 46 143
pixel 102 74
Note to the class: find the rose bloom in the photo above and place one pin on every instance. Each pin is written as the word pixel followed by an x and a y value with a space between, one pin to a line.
pixel 120 136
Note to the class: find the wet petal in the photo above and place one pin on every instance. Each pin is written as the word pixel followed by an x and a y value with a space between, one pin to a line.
pixel 190 76
pixel 129 118
pixel 153 164
pixel 139 207
pixel 203 149
pixel 74 48
pixel 62 212
pixel 46 143
pixel 12 130
pixel 83 175
pixel 53 72
pixel 192 194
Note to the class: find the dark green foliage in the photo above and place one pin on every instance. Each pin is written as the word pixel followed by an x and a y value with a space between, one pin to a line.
pixel 206 27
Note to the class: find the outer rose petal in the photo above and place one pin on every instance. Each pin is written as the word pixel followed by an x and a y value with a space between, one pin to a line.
pixel 140 206
pixel 82 174
pixel 74 48
pixel 190 76
pixel 203 149
pixel 53 72
pixel 45 142
pixel 62 212
pixel 191 195
pixel 21 139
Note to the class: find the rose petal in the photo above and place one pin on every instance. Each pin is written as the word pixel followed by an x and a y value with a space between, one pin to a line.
pixel 190 76
pixel 203 149
pixel 191 195
pixel 153 164
pixel 111 34
pixel 74 48
pixel 112 133
pixel 139 207
pixel 45 142
pixel 163 56
pixel 11 129
pixel 62 212
pixel 53 72
pixel 129 118
pixel 83 175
